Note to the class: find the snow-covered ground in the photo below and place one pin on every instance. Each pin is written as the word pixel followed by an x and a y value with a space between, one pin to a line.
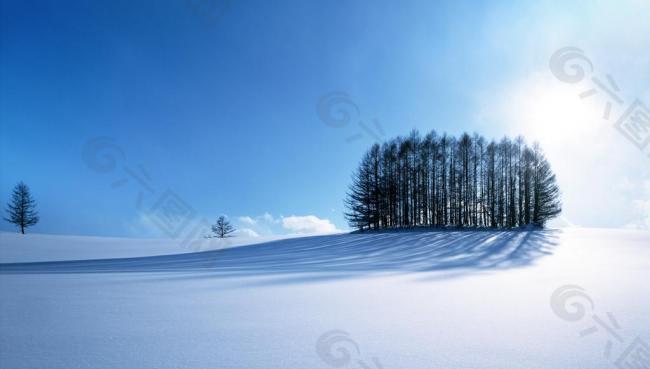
pixel 389 300
pixel 38 247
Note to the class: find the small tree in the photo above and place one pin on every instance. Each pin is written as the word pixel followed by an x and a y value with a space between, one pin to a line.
pixel 22 209
pixel 222 228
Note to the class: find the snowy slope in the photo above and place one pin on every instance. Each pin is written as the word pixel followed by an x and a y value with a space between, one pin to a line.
pixel 15 247
pixel 390 300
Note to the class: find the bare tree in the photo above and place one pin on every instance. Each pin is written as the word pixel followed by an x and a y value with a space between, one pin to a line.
pixel 222 228
pixel 22 209
pixel 546 193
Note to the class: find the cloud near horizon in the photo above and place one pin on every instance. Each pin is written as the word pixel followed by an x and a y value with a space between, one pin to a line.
pixel 246 232
pixel 267 224
pixel 247 220
pixel 309 224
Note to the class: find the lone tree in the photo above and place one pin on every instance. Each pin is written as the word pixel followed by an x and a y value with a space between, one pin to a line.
pixel 222 228
pixel 22 209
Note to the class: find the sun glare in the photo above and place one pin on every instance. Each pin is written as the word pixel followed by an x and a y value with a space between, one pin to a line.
pixel 556 115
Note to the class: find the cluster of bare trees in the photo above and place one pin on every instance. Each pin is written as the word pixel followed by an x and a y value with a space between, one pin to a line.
pixel 445 181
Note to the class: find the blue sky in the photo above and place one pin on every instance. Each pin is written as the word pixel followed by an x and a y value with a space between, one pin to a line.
pixel 220 107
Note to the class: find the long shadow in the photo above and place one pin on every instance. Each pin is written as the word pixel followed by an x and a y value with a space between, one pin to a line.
pixel 334 256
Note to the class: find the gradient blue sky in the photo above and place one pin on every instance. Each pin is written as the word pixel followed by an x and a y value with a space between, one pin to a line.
pixel 223 111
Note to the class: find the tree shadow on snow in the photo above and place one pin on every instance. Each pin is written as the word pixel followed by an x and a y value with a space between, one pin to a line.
pixel 334 256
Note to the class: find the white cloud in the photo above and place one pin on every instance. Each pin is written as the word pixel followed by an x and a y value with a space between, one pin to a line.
pixel 308 224
pixel 247 220
pixel 246 232
pixel 270 225
pixel 269 218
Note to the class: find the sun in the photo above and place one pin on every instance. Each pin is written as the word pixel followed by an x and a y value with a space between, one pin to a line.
pixel 555 114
